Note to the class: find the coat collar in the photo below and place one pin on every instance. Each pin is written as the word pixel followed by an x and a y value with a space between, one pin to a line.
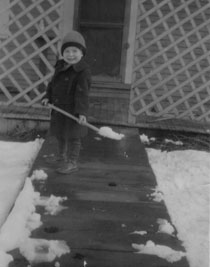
pixel 80 66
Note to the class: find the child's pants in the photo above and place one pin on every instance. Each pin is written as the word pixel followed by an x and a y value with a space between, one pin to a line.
pixel 70 149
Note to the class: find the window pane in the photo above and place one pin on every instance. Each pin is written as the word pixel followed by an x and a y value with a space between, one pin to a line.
pixel 104 52
pixel 102 10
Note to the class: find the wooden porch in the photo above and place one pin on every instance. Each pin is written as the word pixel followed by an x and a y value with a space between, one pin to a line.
pixel 107 111
pixel 108 199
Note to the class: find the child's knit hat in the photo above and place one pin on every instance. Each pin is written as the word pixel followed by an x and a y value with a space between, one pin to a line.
pixel 74 38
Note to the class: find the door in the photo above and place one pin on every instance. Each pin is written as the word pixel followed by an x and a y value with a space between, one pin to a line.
pixel 102 23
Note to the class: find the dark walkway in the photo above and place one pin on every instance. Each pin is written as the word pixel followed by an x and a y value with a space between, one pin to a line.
pixel 108 198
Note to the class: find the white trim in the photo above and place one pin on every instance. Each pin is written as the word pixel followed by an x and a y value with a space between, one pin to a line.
pixel 131 41
pixel 4 19
pixel 66 25
pixel 68 16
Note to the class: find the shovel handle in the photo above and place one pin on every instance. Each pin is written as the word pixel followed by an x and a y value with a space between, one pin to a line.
pixel 73 117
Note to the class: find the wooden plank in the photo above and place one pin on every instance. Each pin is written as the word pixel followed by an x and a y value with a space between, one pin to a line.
pixel 99 219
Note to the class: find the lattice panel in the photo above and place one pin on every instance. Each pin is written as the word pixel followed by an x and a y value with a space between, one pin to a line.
pixel 28 52
pixel 171 75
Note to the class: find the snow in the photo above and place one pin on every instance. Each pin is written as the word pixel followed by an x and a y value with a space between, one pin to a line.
pixel 16 160
pixel 178 143
pixel 139 232
pixel 165 227
pixel 5 259
pixel 183 177
pixel 159 250
pixel 108 132
pixel 19 222
pixel 42 250
pixel 39 175
pixel 14 230
pixel 51 204
pixel 144 139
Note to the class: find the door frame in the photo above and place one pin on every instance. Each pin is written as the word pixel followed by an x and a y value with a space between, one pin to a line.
pixel 70 21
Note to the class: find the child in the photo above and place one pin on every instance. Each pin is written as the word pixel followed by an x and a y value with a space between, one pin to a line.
pixel 69 90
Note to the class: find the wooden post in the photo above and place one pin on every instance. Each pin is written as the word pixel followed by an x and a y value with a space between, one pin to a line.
pixel 131 41
pixel 68 16
pixel 4 19
pixel 67 22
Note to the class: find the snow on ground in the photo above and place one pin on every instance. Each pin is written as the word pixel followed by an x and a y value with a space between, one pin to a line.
pixel 183 177
pixel 161 251
pixel 16 160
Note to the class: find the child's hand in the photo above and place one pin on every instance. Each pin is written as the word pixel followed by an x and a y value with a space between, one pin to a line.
pixel 82 119
pixel 45 101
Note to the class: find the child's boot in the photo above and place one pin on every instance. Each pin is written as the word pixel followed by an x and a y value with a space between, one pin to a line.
pixel 68 167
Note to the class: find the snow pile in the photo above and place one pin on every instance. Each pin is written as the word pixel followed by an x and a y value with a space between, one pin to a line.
pixel 178 143
pixel 16 231
pixel 42 250
pixel 161 251
pixel 165 227
pixel 184 178
pixel 5 259
pixel 39 175
pixel 157 195
pixel 16 160
pixel 139 232
pixel 144 139
pixel 51 204
pixel 108 132
pixel 18 217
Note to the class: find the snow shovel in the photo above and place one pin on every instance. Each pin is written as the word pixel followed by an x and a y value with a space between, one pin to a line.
pixel 103 131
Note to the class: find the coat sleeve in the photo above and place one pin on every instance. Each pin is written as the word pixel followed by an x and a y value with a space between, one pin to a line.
pixel 82 93
pixel 48 92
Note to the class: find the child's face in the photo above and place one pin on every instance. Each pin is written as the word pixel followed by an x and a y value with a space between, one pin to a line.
pixel 72 55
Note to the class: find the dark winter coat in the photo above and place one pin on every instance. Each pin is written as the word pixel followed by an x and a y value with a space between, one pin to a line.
pixel 69 90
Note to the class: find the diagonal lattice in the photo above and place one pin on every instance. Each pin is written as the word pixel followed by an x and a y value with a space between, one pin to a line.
pixel 28 52
pixel 171 75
